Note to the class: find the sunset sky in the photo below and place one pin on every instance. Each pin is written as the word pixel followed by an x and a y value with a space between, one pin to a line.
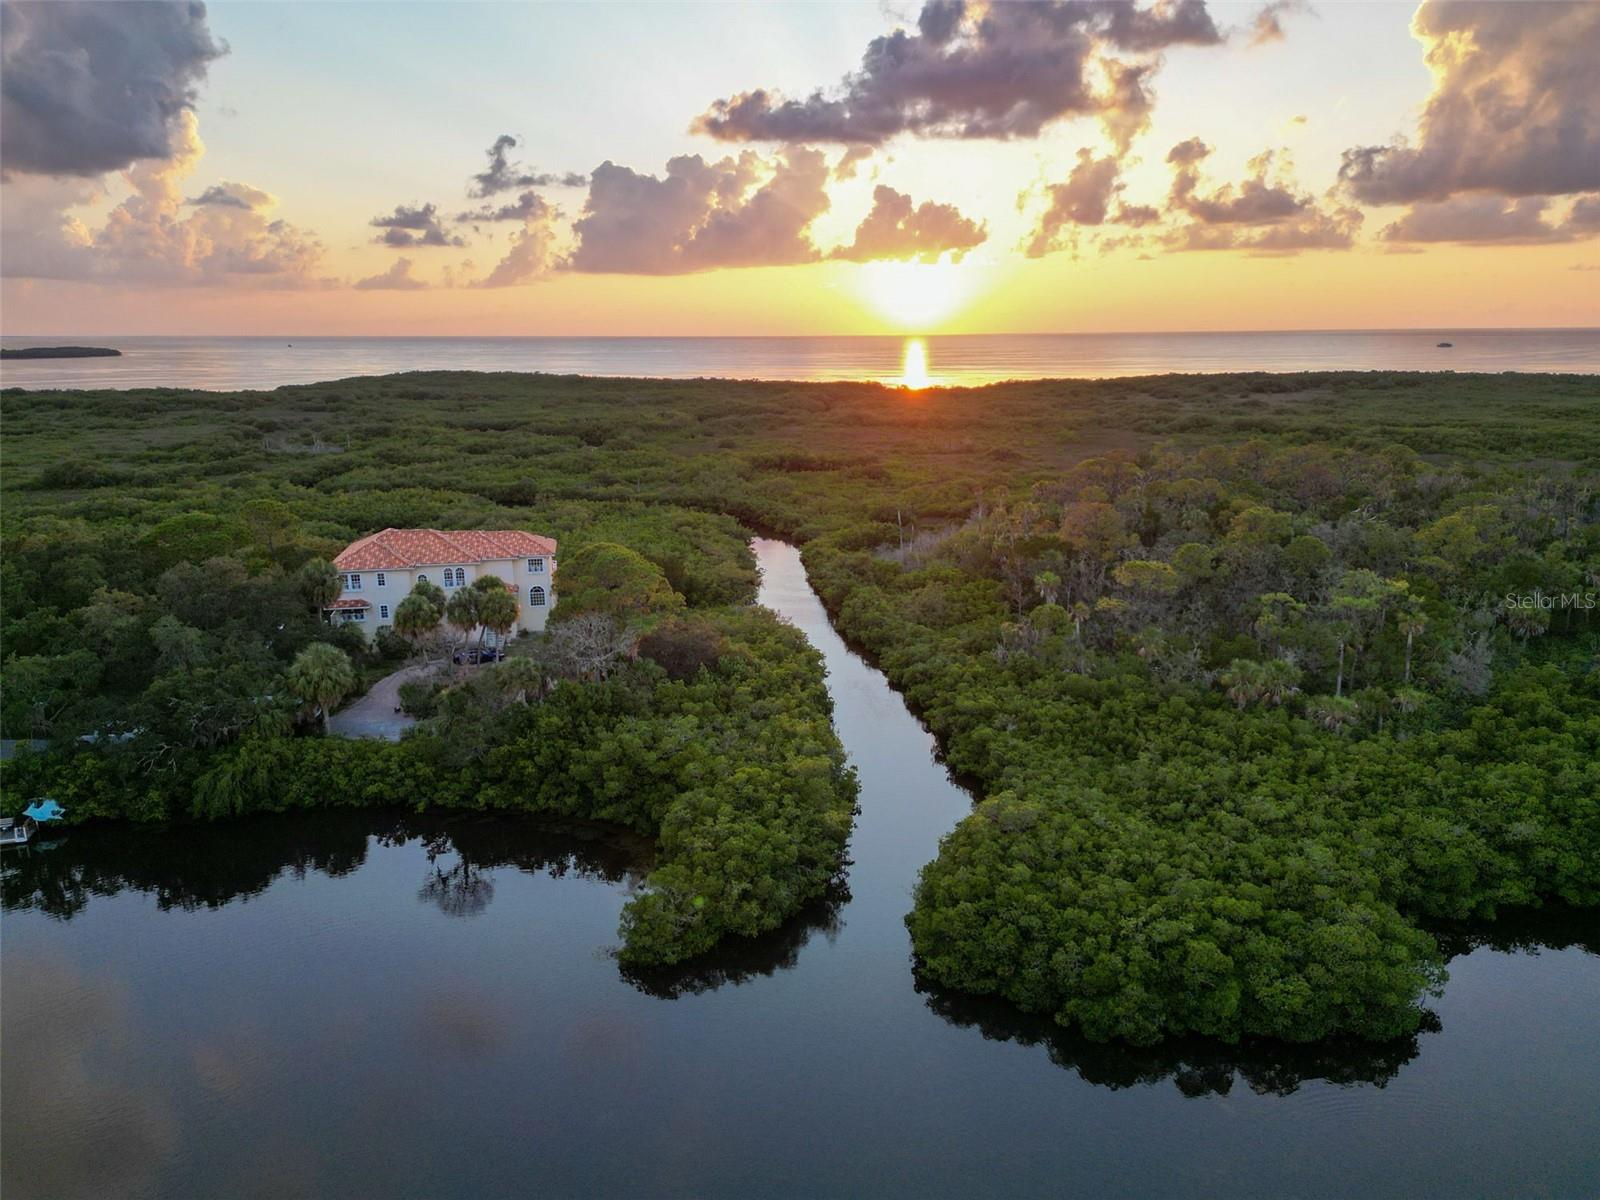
pixel 797 168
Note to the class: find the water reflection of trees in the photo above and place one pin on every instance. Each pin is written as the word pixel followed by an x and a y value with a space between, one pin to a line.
pixel 1196 1066
pixel 1204 1067
pixel 204 866
pixel 208 866
pixel 740 960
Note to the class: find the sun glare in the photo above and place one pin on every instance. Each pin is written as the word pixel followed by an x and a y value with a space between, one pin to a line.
pixel 916 295
pixel 914 370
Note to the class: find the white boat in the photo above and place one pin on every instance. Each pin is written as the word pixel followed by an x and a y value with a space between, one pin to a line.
pixel 16 831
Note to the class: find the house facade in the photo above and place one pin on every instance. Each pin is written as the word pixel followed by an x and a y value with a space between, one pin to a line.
pixel 378 571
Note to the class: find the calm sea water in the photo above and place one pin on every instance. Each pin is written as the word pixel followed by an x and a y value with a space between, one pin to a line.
pixel 257 363
pixel 352 1004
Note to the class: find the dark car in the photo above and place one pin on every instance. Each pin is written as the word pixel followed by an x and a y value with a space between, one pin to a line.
pixel 474 656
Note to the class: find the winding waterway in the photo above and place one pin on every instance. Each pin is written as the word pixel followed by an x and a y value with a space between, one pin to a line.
pixel 381 1004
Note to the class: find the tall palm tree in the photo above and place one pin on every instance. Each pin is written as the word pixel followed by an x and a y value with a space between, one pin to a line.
pixel 416 617
pixel 462 612
pixel 1412 622
pixel 498 611
pixel 319 584
pixel 321 676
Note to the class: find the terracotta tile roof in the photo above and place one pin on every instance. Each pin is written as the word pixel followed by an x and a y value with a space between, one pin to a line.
pixel 394 549
pixel 346 602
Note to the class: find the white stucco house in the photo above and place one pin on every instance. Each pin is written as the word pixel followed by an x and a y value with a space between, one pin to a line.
pixel 378 571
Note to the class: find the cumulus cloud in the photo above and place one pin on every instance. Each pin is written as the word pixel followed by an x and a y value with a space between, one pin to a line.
pixel 1264 213
pixel 1085 199
pixel 503 175
pixel 149 238
pixel 1267 25
pixel 1585 215
pixel 895 228
pixel 1478 219
pixel 233 195
pixel 738 212
pixel 398 278
pixel 849 164
pixel 91 87
pixel 1255 201
pixel 413 225
pixel 532 253
pixel 975 71
pixel 527 205
pixel 1514 109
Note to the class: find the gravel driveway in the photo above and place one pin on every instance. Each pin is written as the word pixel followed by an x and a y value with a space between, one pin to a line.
pixel 374 715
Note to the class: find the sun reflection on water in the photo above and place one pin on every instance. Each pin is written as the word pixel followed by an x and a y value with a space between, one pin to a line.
pixel 914 367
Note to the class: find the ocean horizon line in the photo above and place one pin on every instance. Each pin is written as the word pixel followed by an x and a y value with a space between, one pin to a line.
pixel 691 337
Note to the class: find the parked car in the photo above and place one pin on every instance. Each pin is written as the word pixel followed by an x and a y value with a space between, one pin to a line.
pixel 475 655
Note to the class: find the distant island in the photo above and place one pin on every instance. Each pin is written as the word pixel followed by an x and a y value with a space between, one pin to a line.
pixel 62 352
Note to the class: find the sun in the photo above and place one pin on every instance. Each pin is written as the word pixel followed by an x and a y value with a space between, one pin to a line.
pixel 916 295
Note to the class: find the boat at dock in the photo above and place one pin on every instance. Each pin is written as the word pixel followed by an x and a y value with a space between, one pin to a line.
pixel 17 831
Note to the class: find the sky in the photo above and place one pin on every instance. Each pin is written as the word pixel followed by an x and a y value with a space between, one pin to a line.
pixel 662 168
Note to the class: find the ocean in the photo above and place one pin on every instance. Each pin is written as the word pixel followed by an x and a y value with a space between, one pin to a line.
pixel 255 363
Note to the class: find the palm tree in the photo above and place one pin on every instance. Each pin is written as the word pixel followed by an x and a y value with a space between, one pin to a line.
pixel 320 585
pixel 416 617
pixel 1279 680
pixel 429 591
pixel 1412 622
pixel 497 610
pixel 321 676
pixel 1334 713
pixel 1049 585
pixel 462 612
pixel 522 678
pixel 1245 680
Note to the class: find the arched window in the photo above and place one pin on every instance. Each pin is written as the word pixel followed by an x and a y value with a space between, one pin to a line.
pixel 421 578
pixel 536 597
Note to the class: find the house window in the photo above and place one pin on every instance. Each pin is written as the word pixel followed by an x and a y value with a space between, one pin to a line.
pixel 355 614
pixel 383 612
pixel 536 597
pixel 381 582
pixel 353 583
pixel 536 564
pixel 422 579
pixel 454 577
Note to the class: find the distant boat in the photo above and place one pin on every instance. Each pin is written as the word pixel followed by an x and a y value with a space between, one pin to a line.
pixel 15 831
pixel 1444 345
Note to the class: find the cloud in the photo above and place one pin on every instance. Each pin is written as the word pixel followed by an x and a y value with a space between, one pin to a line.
pixel 526 205
pixel 398 278
pixel 416 225
pixel 149 238
pixel 850 161
pixel 87 88
pixel 1514 109
pixel 1477 219
pixel 1585 215
pixel 1084 199
pixel 233 195
pixel 502 175
pixel 1000 71
pixel 1256 201
pixel 1267 26
pixel 897 229
pixel 532 253
pixel 1263 214
pixel 738 212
